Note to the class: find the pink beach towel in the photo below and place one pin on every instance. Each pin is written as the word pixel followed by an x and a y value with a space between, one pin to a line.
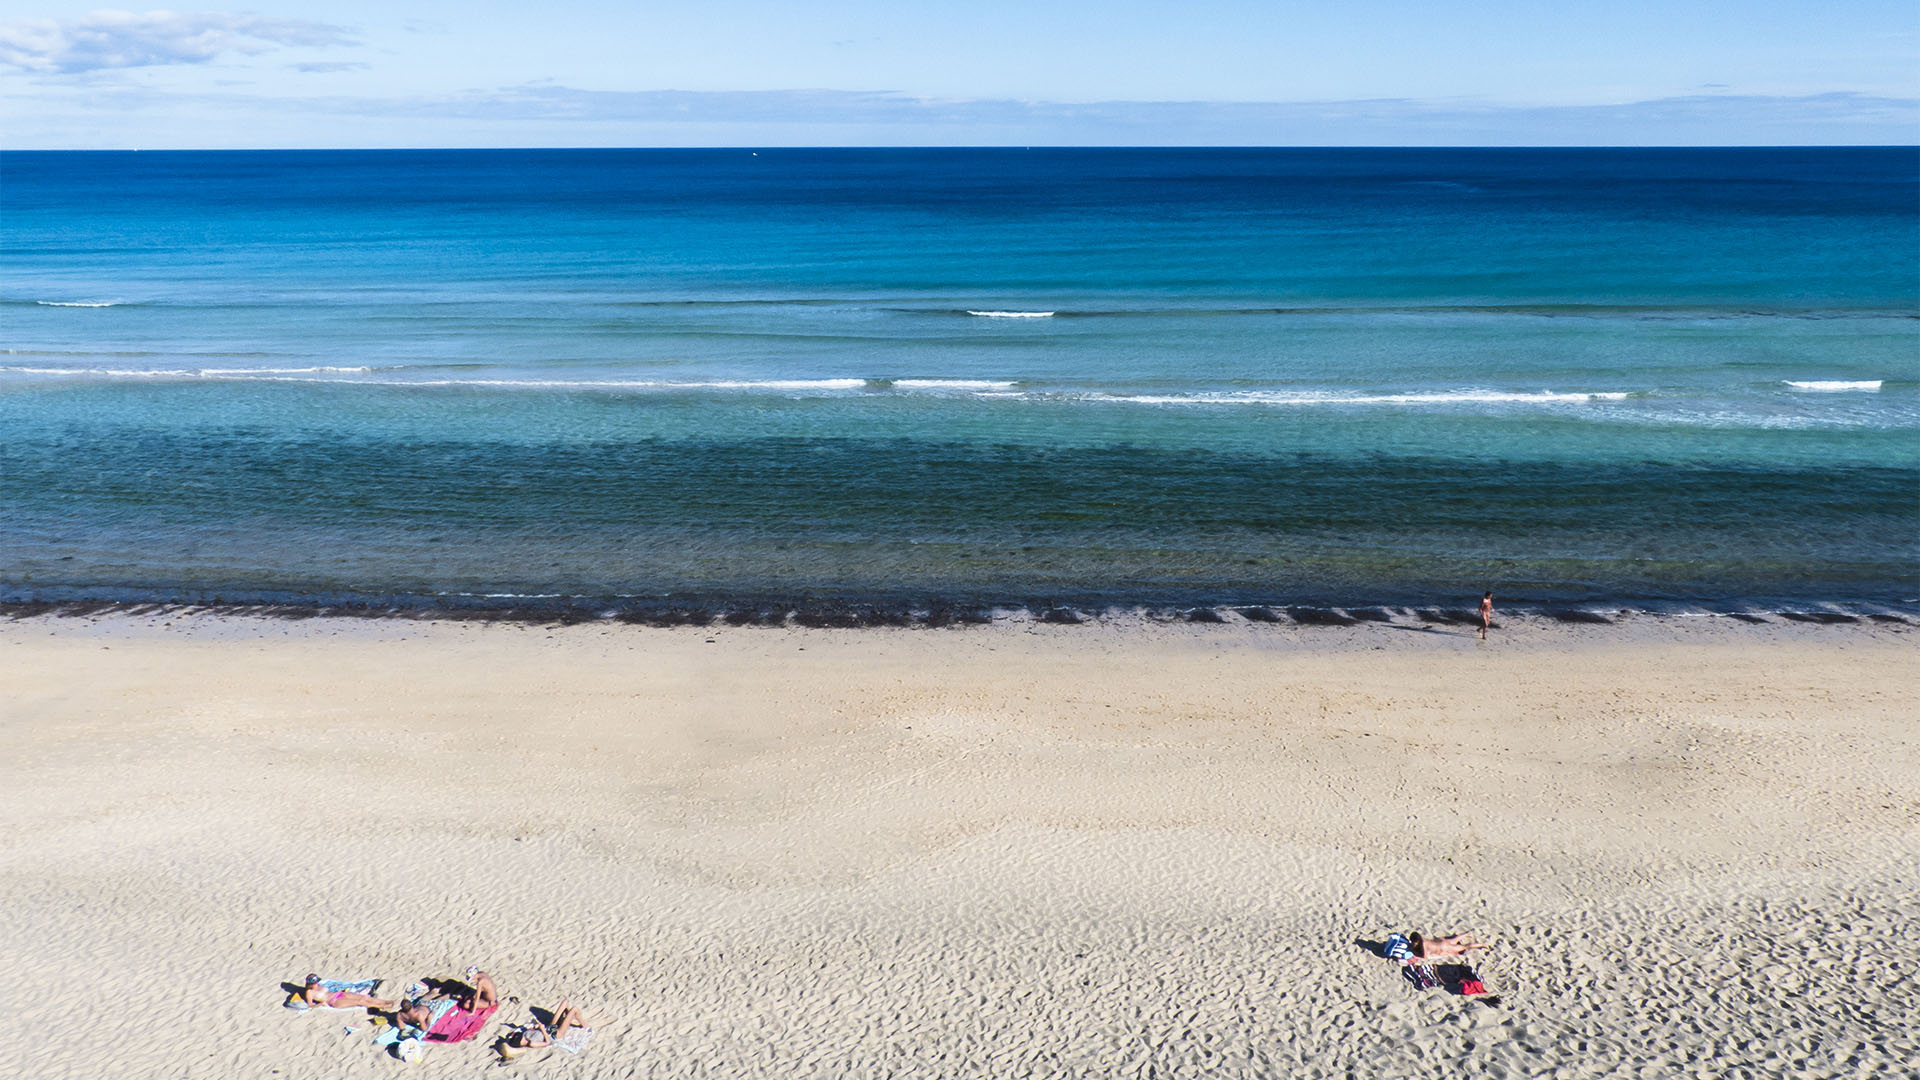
pixel 459 1025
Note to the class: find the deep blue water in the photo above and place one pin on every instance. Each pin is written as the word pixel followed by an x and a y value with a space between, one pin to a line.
pixel 1073 376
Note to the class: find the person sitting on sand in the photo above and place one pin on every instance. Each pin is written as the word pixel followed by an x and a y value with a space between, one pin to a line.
pixel 484 996
pixel 314 994
pixel 1436 948
pixel 569 1032
pixel 418 1011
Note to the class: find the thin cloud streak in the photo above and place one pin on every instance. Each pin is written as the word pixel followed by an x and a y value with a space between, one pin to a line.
pixel 544 114
pixel 1695 120
pixel 123 39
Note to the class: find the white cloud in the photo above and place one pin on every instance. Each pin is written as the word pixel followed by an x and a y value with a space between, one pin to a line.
pixel 126 39
pixel 327 67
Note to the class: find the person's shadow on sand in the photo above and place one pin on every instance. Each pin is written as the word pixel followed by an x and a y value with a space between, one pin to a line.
pixel 452 988
pixel 458 990
pixel 1452 976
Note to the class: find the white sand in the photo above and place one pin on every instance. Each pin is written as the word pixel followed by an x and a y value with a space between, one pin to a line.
pixel 1094 851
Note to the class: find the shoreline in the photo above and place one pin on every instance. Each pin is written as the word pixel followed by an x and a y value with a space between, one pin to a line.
pixel 827 613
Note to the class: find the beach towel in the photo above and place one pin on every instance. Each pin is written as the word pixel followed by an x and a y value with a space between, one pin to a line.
pixel 437 1010
pixel 1397 947
pixel 401 1041
pixel 1420 975
pixel 458 1025
pixel 331 987
pixel 575 1040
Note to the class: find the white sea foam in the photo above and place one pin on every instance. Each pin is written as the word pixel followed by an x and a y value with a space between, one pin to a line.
pixel 293 375
pixel 1012 314
pixel 977 388
pixel 1321 397
pixel 217 373
pixel 631 384
pixel 772 384
pixel 953 384
pixel 79 303
pixel 1835 385
pixel 107 373
pixel 186 373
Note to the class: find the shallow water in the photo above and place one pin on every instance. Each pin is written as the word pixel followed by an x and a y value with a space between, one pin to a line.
pixel 1145 376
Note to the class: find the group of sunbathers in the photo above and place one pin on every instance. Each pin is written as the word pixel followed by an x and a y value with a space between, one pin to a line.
pixel 417 1013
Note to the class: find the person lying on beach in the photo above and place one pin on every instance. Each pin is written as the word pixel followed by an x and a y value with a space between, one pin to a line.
pixel 315 995
pixel 414 1013
pixel 1435 948
pixel 569 1032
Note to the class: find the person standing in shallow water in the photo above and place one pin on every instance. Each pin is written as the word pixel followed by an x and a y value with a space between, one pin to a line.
pixel 1486 613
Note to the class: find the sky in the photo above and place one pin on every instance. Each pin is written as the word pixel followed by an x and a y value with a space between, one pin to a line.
pixel 355 73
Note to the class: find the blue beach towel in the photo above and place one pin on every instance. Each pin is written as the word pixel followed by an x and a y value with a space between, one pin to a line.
pixel 1420 975
pixel 438 1009
pixel 393 1033
pixel 1397 947
pixel 409 1043
pixel 334 986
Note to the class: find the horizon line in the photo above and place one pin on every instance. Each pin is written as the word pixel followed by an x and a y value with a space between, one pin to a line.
pixel 959 146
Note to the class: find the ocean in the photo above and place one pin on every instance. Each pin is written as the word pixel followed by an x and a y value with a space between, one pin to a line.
pixel 657 381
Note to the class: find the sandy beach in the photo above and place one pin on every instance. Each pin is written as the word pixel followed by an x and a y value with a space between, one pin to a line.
pixel 1117 849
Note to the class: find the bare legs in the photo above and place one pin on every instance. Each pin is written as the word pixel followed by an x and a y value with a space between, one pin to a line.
pixel 1456 945
pixel 348 999
pixel 565 1017
pixel 536 1036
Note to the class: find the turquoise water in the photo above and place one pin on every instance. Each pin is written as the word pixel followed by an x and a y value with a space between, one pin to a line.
pixel 623 379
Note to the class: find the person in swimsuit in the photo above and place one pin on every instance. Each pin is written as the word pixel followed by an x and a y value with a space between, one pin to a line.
pixel 569 1029
pixel 315 995
pixel 485 995
pixel 1486 613
pixel 1440 947
pixel 413 1014
pixel 417 1012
